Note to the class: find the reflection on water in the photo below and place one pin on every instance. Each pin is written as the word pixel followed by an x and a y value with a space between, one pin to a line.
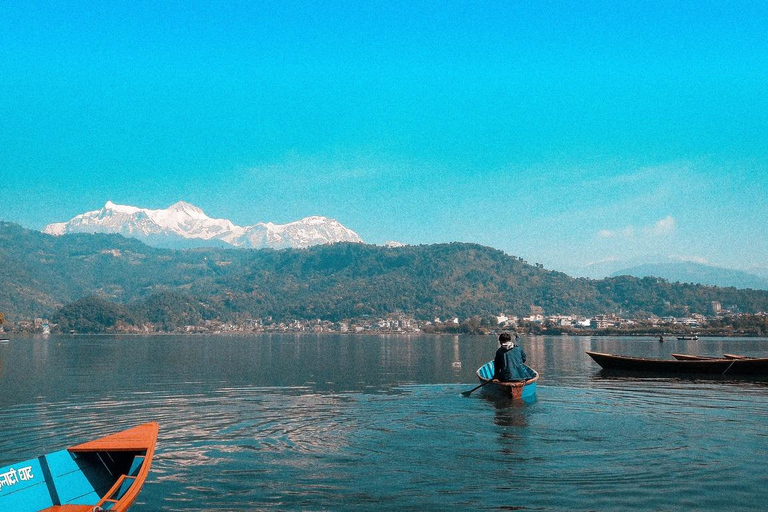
pixel 510 413
pixel 351 422
pixel 637 378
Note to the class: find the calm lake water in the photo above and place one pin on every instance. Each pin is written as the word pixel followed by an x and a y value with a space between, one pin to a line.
pixel 324 422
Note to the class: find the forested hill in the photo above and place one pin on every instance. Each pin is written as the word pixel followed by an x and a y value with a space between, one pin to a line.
pixel 42 273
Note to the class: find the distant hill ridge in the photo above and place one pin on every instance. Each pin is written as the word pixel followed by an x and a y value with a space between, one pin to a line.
pixel 42 273
pixel 692 272
pixel 183 225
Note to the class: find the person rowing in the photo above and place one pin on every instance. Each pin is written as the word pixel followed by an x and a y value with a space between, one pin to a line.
pixel 509 363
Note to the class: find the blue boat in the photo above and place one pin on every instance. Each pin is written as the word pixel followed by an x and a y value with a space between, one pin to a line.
pixel 104 474
pixel 524 390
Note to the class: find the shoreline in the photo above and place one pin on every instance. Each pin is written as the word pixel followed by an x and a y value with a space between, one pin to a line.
pixel 670 337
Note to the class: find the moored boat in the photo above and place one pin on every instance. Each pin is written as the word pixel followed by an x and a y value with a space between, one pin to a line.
pixel 103 474
pixel 688 337
pixel 524 390
pixel 697 365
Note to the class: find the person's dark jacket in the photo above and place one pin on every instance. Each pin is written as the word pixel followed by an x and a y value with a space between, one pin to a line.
pixel 510 365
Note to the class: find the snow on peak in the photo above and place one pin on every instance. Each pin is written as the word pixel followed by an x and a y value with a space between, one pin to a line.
pixel 182 224
pixel 120 208
pixel 187 209
pixel 314 220
pixel 57 228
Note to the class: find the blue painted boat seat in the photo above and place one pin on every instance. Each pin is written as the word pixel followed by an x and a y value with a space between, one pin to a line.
pixel 71 483
pixel 138 461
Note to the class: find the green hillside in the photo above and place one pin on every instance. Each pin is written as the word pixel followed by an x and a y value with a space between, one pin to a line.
pixel 131 282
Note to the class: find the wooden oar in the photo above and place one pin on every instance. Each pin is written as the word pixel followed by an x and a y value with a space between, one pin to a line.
pixel 467 393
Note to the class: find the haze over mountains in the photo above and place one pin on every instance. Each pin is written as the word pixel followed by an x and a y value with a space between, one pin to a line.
pixel 692 272
pixel 676 270
pixel 184 225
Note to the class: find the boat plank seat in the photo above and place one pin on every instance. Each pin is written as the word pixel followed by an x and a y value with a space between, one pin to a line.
pixel 72 483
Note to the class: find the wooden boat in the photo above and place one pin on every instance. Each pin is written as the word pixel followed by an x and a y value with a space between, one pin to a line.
pixel 702 365
pixel 517 390
pixel 104 474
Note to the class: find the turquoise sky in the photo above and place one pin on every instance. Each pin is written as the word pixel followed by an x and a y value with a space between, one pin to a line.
pixel 563 132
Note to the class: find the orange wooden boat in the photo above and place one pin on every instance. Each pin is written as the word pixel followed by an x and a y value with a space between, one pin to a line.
pixel 104 474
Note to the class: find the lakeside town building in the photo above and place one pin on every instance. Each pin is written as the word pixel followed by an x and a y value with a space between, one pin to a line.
pixel 536 323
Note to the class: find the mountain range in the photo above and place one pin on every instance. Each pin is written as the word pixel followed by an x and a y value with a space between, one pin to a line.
pixel 43 274
pixel 692 272
pixel 184 225
pixel 675 270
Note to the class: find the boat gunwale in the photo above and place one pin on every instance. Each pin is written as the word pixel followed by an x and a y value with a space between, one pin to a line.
pixel 511 383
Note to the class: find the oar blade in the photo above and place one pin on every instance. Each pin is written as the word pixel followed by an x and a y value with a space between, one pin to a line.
pixel 467 393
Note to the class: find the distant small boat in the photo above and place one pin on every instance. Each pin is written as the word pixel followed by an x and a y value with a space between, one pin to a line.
pixel 104 474
pixel 517 390
pixel 690 365
pixel 4 340
pixel 688 337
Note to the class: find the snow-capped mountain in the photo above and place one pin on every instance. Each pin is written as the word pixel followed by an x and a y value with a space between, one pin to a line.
pixel 186 225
